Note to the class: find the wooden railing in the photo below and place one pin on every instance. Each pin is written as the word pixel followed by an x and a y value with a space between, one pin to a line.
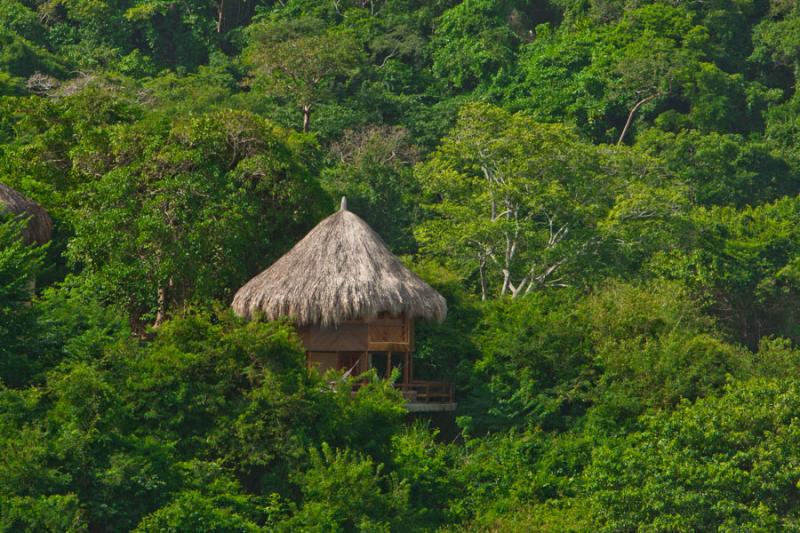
pixel 427 391
pixel 434 392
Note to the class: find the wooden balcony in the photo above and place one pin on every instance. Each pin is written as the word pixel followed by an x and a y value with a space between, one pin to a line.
pixel 424 396
pixel 427 391
pixel 428 396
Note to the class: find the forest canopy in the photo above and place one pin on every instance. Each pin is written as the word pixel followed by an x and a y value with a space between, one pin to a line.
pixel 607 192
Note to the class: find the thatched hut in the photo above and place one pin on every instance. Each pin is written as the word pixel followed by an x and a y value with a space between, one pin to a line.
pixel 39 228
pixel 354 303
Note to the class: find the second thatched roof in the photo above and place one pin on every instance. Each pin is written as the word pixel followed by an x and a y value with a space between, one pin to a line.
pixel 341 270
pixel 39 228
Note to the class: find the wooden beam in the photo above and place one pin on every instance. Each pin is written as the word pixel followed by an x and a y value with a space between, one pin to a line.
pixel 387 347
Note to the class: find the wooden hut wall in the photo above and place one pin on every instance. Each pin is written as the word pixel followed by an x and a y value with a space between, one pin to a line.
pixel 388 330
pixel 380 334
pixel 382 343
pixel 348 337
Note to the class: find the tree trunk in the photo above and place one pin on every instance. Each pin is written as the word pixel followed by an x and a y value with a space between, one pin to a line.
pixel 162 306
pixel 516 291
pixel 506 282
pixel 137 326
pixel 161 313
pixel 306 118
pixel 482 272
pixel 220 14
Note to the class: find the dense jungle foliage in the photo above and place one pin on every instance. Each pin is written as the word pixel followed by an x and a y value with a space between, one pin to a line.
pixel 606 191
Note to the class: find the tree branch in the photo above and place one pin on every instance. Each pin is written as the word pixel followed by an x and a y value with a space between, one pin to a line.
pixel 635 108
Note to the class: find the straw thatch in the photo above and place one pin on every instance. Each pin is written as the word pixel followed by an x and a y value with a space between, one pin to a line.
pixel 39 228
pixel 341 270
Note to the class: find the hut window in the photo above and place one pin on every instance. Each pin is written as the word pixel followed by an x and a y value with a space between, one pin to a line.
pixel 323 361
pixel 351 360
pixel 385 362
pixel 379 361
pixel 398 360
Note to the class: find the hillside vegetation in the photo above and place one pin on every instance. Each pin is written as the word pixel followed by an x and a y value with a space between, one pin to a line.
pixel 607 192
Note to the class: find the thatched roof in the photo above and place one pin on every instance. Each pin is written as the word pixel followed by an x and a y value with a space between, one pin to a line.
pixel 341 270
pixel 40 226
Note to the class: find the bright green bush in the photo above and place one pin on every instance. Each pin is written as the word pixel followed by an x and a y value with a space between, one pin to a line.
pixel 726 463
pixel 344 491
pixel 43 513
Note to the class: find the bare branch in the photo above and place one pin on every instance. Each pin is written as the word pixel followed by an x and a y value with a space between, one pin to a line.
pixel 635 108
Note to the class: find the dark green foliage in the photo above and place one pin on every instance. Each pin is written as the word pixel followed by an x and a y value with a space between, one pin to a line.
pixel 209 414
pixel 605 191
pixel 426 466
pixel 335 480
pixel 548 360
pixel 744 264
pixel 723 169
pixel 655 348
pixel 19 265
pixel 177 211
pixel 723 463
pixel 534 365
pixel 22 58
pixel 372 168
pixel 471 43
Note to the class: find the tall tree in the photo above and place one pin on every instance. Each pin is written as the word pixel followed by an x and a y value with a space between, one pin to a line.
pixel 175 212
pixel 373 167
pixel 300 59
pixel 509 196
